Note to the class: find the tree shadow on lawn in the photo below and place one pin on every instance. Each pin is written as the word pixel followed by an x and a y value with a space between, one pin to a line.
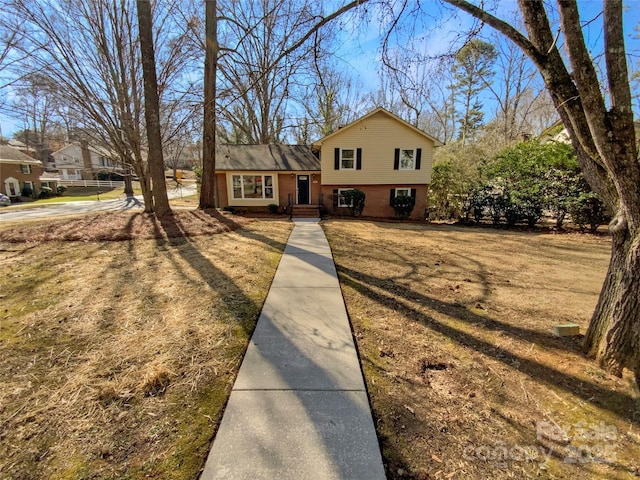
pixel 253 235
pixel 176 236
pixel 207 271
pixel 619 403
pixel 333 396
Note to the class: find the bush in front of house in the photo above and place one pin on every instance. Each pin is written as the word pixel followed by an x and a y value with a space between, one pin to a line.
pixel 27 191
pixel 60 190
pixel 403 205
pixel 588 210
pixel 273 208
pixel 45 192
pixel 355 199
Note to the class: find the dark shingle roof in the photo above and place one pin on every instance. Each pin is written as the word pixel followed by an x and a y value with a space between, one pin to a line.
pixel 266 157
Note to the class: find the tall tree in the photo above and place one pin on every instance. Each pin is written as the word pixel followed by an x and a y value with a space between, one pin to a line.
pixel 256 79
pixel 515 89
pixel 331 100
pixel 11 38
pixel 471 71
pixel 152 109
pixel 440 116
pixel 34 104
pixel 100 83
pixel 212 49
pixel 603 136
pixel 310 24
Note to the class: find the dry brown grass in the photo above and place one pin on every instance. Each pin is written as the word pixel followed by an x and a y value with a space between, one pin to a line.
pixel 454 328
pixel 118 226
pixel 116 358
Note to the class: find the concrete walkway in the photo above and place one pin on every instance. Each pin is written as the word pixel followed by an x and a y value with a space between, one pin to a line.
pixel 299 409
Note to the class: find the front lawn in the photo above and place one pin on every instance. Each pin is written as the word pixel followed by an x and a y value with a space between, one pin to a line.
pixel 117 357
pixel 81 194
pixel 454 327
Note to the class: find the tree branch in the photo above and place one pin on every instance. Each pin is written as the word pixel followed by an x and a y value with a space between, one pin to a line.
pixel 503 27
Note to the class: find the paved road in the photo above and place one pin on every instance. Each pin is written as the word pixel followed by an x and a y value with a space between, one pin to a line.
pixel 11 214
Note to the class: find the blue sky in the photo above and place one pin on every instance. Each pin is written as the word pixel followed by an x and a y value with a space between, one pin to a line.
pixel 360 49
pixel 360 41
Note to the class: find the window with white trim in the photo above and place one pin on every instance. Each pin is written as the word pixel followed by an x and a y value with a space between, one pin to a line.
pixel 341 201
pixel 403 192
pixel 25 169
pixel 252 186
pixel 347 159
pixel 407 159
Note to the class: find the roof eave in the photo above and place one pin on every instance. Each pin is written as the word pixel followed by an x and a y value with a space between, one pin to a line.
pixel 436 142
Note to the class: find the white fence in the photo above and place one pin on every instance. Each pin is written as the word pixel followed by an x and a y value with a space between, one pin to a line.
pixel 91 183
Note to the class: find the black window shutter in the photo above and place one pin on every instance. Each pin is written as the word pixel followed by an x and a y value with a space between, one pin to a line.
pixel 335 196
pixel 336 163
pixel 396 160
pixel 413 193
pixel 418 158
pixel 392 195
pixel 359 159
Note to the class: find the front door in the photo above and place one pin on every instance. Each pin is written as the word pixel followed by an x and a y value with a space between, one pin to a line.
pixel 303 189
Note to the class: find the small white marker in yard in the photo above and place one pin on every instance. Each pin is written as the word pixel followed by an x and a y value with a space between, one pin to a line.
pixel 566 330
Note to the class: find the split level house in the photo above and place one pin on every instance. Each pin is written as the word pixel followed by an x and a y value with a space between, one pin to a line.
pixel 84 162
pixel 20 173
pixel 379 153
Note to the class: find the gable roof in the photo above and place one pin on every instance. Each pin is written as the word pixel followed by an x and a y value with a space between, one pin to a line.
pixel 68 145
pixel 95 149
pixel 13 155
pixel 436 142
pixel 266 157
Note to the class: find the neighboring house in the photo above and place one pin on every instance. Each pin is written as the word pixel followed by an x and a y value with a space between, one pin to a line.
pixel 18 171
pixel 383 156
pixel 558 133
pixel 380 154
pixel 78 162
pixel 50 180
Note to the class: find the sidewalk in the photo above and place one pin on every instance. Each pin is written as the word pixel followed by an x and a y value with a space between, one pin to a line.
pixel 299 409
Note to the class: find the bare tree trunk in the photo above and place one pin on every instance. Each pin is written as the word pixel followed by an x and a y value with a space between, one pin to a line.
pixel 152 110
pixel 128 182
pixel 604 139
pixel 207 189
pixel 611 338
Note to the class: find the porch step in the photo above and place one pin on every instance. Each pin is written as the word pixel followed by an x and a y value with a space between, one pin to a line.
pixel 306 211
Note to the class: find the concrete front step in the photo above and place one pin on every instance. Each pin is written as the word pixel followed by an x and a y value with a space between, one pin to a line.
pixel 306 211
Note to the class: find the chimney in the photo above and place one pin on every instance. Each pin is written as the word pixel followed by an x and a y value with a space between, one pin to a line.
pixel 87 171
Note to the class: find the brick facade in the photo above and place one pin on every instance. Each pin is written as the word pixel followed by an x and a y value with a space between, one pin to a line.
pixel 287 184
pixel 377 201
pixel 14 171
